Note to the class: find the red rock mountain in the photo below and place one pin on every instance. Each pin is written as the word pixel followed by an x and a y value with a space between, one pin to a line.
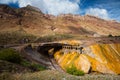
pixel 32 21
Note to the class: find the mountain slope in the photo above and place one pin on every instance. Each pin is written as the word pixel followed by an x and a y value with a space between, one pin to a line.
pixel 32 21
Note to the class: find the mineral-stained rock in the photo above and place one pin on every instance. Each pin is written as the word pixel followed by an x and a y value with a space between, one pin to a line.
pixel 84 63
pixel 104 58
pixel 107 58
pixel 81 62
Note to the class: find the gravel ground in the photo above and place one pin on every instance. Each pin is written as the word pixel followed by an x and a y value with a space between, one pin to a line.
pixel 55 75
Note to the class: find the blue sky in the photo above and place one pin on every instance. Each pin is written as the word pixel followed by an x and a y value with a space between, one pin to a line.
pixel 105 9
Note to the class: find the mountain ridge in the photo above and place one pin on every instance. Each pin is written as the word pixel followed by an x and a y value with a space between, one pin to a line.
pixel 33 21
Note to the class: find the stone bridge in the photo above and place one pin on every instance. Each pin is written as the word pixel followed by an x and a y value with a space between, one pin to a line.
pixel 46 47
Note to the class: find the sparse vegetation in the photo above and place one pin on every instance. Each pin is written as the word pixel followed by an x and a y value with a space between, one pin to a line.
pixel 6 76
pixel 56 75
pixel 72 70
pixel 6 66
pixel 55 37
pixel 14 37
pixel 33 66
pixel 13 56
pixel 10 55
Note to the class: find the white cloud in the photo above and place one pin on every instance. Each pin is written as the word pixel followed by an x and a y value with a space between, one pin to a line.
pixel 101 13
pixel 54 7
pixel 61 6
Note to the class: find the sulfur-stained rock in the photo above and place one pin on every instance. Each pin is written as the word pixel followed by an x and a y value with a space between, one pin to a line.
pixel 98 66
pixel 107 58
pixel 104 58
pixel 83 63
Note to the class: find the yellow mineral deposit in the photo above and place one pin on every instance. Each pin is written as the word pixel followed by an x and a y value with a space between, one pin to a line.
pixel 82 63
pixel 72 42
pixel 106 59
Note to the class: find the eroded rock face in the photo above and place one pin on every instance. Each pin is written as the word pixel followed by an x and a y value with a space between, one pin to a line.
pixel 83 62
pixel 104 58
pixel 108 56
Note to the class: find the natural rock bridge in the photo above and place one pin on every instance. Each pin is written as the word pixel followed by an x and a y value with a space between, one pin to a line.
pixel 44 48
pixel 42 54
pixel 96 57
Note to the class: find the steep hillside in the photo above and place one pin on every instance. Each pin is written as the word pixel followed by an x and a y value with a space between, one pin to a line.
pixel 32 21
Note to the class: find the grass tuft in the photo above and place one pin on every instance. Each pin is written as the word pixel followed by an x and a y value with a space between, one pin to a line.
pixel 10 55
pixel 72 70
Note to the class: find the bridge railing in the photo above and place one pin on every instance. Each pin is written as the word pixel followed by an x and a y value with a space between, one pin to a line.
pixel 72 48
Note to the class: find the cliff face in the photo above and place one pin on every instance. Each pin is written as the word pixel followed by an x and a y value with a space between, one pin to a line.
pixel 104 58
